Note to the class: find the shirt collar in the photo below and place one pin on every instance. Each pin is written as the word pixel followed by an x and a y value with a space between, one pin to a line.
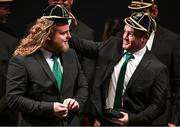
pixel 46 53
pixel 139 53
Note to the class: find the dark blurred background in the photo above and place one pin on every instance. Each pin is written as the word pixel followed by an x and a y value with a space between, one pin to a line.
pixel 93 12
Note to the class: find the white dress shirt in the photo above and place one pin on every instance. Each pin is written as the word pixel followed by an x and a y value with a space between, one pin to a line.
pixel 131 67
pixel 150 41
pixel 47 55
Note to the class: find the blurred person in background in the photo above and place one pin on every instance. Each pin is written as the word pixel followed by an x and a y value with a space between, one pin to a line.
pixel 8 43
pixel 5 11
pixel 111 27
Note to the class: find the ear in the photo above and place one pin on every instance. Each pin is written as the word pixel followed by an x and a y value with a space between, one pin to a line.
pixel 145 37
pixel 156 13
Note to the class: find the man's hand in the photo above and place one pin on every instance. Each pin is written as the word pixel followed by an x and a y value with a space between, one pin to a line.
pixel 60 110
pixel 96 123
pixel 122 121
pixel 171 125
pixel 71 104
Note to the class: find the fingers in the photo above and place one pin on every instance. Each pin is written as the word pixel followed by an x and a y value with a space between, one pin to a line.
pixel 60 110
pixel 122 121
pixel 71 104
pixel 171 125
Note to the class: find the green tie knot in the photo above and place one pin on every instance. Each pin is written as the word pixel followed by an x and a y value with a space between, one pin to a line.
pixel 55 56
pixel 128 56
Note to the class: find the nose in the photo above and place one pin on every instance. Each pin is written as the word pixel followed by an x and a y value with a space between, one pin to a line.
pixel 69 35
pixel 124 35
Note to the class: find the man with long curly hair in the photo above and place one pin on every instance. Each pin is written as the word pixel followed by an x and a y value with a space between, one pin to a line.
pixel 42 95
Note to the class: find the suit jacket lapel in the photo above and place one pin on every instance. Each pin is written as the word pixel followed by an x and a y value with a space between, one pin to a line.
pixel 110 66
pixel 141 67
pixel 66 62
pixel 39 57
pixel 65 67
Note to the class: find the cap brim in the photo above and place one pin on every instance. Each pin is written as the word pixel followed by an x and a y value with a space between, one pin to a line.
pixel 55 17
pixel 58 19
pixel 135 5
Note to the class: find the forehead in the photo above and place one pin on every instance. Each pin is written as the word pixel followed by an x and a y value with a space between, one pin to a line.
pixel 62 26
pixel 128 28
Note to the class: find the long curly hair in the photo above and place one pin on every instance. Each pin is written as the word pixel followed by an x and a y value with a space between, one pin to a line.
pixel 37 37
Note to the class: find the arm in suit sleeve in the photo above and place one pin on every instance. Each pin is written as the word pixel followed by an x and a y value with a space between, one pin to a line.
pixel 87 48
pixel 17 85
pixel 91 49
pixel 157 102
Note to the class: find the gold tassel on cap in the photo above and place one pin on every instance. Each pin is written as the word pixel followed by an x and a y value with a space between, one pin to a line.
pixel 152 1
pixel 75 23
pixel 74 20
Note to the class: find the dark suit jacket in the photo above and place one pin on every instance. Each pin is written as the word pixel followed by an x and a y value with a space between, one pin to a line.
pixel 32 88
pixel 7 45
pixel 166 47
pixel 88 65
pixel 146 92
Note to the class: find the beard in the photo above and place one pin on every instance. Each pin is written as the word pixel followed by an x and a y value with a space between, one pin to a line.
pixel 58 48
pixel 64 48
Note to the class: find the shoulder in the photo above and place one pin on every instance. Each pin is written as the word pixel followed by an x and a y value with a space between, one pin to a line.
pixel 154 60
pixel 7 37
pixel 113 41
pixel 70 57
pixel 20 58
pixel 85 26
pixel 167 32
pixel 70 53
pixel 17 61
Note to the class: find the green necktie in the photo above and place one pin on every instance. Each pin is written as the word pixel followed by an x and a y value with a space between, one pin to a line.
pixel 57 70
pixel 119 88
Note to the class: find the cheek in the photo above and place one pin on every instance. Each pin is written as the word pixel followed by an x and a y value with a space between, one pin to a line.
pixel 57 38
pixel 126 45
